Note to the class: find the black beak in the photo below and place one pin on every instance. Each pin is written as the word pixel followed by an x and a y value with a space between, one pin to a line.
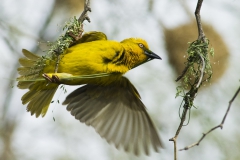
pixel 151 55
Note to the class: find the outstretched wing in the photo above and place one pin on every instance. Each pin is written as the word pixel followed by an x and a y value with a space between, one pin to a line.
pixel 117 114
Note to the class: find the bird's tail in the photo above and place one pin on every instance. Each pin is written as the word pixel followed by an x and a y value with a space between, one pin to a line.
pixel 40 92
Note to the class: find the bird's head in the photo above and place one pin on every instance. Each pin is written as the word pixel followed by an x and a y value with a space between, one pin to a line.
pixel 139 51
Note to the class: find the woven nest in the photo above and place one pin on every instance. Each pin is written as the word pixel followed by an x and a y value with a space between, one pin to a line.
pixel 176 45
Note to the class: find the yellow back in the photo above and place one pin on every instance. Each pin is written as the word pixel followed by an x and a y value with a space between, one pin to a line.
pixel 103 56
pixel 96 55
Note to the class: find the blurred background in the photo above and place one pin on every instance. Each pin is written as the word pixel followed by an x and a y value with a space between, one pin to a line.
pixel 168 26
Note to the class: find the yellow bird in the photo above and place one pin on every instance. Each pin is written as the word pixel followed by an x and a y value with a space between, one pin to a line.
pixel 108 102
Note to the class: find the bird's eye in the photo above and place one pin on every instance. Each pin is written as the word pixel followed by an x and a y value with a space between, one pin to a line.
pixel 140 45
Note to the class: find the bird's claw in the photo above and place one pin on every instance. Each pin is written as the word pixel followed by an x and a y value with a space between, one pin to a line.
pixel 53 79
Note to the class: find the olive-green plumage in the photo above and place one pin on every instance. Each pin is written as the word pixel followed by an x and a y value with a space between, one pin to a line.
pixel 108 101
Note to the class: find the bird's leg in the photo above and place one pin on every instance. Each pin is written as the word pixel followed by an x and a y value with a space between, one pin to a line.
pixel 78 36
pixel 59 78
pixel 47 77
pixel 53 79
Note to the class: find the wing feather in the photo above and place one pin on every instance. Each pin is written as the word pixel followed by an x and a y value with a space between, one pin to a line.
pixel 117 114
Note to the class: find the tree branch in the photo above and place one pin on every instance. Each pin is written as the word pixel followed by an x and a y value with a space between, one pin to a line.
pixel 84 15
pixel 174 139
pixel 201 35
pixel 183 73
pixel 191 94
pixel 218 126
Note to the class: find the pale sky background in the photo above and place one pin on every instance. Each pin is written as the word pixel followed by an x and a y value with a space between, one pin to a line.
pixel 67 138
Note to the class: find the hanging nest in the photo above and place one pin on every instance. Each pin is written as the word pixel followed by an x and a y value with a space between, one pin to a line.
pixel 176 45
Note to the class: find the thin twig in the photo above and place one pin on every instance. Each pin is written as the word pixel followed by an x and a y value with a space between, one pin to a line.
pixel 230 103
pixel 201 35
pixel 57 63
pixel 202 71
pixel 183 73
pixel 57 53
pixel 84 15
pixel 188 100
pixel 174 139
pixel 218 126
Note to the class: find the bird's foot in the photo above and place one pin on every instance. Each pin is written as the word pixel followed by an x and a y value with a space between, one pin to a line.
pixel 53 79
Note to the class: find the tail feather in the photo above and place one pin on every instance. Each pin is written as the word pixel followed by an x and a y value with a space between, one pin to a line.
pixel 30 55
pixel 40 93
pixel 30 68
pixel 24 84
pixel 27 97
pixel 39 100
pixel 23 70
pixel 26 71
pixel 27 62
